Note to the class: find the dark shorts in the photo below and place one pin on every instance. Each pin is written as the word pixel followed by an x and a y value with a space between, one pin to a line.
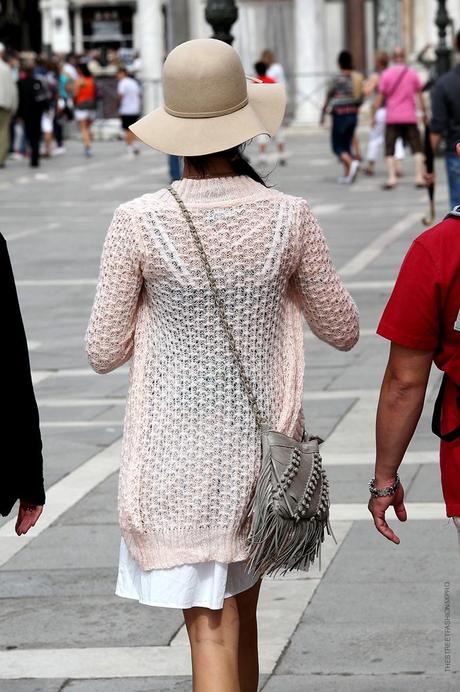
pixel 409 133
pixel 343 129
pixel 127 120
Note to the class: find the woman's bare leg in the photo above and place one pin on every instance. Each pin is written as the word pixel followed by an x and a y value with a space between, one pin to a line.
pixel 213 636
pixel 248 654
pixel 85 132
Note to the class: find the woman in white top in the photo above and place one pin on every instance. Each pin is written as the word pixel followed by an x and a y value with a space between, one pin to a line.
pixel 191 449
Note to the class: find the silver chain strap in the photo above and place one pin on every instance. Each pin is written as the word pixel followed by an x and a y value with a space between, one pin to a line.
pixel 260 420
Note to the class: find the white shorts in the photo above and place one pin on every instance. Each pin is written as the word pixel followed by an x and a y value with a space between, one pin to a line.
pixel 204 584
pixel 81 114
pixel 47 122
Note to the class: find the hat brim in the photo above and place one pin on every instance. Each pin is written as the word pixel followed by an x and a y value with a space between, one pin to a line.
pixel 263 114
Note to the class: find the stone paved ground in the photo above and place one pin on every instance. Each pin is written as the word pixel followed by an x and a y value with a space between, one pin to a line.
pixel 374 619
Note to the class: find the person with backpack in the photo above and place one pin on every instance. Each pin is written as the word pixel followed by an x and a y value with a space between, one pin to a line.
pixel 343 100
pixel 422 321
pixel 400 88
pixel 33 102
pixel 85 99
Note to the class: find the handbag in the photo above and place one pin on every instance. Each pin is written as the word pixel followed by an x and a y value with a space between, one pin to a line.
pixel 289 509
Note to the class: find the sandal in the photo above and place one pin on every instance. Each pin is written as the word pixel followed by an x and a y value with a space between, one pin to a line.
pixel 388 186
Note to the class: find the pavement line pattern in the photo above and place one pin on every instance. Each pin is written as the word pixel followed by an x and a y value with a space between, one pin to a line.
pixel 38 283
pixel 411 458
pixel 351 285
pixel 60 497
pixel 368 254
pixel 420 511
pixel 51 226
pixel 81 424
pixel 282 603
pixel 369 285
pixel 356 430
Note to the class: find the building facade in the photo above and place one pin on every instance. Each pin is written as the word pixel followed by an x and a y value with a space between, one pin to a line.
pixel 305 34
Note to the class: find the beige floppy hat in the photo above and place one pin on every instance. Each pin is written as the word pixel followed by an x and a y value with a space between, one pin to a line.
pixel 209 105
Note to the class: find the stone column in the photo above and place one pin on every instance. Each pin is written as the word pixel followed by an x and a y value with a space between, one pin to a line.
pixel 77 31
pixel 60 26
pixel 310 62
pixel 389 33
pixel 152 51
pixel 199 28
pixel 45 11
pixel 356 42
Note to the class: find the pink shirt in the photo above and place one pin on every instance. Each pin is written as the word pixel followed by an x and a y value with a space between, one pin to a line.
pixel 400 93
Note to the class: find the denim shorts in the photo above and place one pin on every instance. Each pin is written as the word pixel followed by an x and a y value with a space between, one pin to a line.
pixel 343 129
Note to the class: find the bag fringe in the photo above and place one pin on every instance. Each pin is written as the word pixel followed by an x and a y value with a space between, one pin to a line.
pixel 279 544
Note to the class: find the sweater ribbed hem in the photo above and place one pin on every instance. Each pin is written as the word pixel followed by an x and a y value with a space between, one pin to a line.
pixel 170 549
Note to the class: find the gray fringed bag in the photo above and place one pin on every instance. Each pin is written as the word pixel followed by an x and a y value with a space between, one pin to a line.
pixel 289 509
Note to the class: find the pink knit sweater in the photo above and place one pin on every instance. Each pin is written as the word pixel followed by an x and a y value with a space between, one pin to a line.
pixel 191 451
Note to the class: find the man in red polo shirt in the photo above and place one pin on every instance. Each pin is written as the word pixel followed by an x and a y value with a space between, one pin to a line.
pixel 422 321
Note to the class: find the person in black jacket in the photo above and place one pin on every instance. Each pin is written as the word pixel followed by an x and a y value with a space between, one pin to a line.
pixel 22 462
pixel 33 101
pixel 445 106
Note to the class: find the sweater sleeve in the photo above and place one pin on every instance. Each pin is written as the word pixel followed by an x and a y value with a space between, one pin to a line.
pixel 112 325
pixel 326 304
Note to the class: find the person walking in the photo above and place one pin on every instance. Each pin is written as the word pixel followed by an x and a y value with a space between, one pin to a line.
pixel 260 68
pixel 22 465
pixel 129 107
pixel 33 102
pixel 8 105
pixel 422 321
pixel 273 71
pixel 343 99
pixel 445 122
pixel 377 133
pixel 400 88
pixel 85 100
pixel 191 449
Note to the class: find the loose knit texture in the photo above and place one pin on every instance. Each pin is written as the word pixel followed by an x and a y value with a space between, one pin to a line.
pixel 191 450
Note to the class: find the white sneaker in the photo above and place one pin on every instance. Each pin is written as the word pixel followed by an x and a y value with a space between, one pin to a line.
pixel 344 180
pixel 57 151
pixel 354 168
pixel 457 524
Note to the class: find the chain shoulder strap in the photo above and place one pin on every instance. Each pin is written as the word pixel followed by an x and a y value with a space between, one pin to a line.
pixel 260 420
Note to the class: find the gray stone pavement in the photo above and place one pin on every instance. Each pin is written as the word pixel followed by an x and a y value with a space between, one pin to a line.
pixel 375 621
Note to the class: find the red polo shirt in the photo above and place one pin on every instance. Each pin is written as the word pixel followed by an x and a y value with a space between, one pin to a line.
pixel 423 313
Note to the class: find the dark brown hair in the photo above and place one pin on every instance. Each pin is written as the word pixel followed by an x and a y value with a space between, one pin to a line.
pixel 235 157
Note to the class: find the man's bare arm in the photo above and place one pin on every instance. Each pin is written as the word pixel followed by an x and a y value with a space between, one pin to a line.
pixel 400 405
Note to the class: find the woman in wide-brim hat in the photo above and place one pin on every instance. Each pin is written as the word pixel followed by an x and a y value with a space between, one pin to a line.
pixel 191 447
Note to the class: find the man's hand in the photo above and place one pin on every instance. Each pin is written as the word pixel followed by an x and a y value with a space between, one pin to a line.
pixel 378 506
pixel 27 516
pixel 429 178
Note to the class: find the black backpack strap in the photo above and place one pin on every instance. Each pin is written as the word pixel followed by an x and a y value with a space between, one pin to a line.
pixel 436 420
